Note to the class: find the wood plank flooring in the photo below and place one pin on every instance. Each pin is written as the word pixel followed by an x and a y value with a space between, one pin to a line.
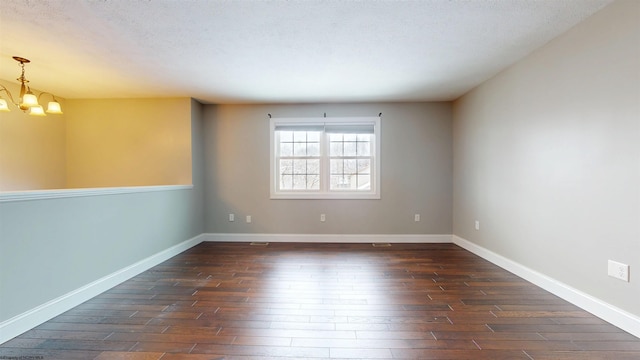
pixel 324 301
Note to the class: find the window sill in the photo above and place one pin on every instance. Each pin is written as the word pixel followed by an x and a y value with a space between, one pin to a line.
pixel 10 196
pixel 324 196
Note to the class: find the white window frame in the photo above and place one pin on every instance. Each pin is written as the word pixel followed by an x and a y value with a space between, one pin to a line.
pixel 325 192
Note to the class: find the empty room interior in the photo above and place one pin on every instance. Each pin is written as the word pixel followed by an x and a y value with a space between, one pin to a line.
pixel 320 179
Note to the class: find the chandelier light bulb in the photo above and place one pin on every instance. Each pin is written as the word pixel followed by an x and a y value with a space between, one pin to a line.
pixel 54 107
pixel 29 100
pixel 37 111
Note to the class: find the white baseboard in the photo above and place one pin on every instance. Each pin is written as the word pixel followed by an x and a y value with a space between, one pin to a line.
pixel 330 238
pixel 616 316
pixel 19 324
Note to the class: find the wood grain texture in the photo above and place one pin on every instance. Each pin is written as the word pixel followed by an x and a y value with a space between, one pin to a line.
pixel 325 301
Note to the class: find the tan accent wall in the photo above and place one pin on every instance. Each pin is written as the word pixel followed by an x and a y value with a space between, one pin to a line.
pixel 128 142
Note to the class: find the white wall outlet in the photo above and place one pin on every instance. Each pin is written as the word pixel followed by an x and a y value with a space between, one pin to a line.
pixel 416 217
pixel 248 219
pixel 477 225
pixel 323 217
pixel 232 217
pixel 618 270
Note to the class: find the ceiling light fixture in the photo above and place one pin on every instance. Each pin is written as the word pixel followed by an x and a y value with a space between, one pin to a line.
pixel 28 102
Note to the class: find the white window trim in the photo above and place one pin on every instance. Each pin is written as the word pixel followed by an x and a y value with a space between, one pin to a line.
pixel 305 194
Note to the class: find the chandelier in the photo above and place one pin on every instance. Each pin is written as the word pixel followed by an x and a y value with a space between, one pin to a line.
pixel 28 101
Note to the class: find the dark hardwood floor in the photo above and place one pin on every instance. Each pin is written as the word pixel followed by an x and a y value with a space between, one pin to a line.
pixel 325 301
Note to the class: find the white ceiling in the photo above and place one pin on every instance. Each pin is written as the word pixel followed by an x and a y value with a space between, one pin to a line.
pixel 225 51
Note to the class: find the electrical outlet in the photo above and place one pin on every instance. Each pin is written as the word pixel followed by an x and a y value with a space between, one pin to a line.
pixel 477 225
pixel 618 270
pixel 416 217
pixel 232 217
pixel 248 219
pixel 323 217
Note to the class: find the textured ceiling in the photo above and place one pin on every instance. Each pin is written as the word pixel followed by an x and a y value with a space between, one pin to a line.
pixel 275 51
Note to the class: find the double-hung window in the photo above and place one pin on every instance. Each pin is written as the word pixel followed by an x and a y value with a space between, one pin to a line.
pixel 325 158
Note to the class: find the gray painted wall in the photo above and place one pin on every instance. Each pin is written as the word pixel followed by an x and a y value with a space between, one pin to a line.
pixel 547 158
pixel 416 165
pixel 51 247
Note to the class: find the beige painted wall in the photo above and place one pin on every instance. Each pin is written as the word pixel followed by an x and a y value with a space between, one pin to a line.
pixel 547 158
pixel 416 165
pixel 128 142
pixel 32 148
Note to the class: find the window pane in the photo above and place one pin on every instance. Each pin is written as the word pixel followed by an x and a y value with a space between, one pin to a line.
pixel 286 182
pixel 339 182
pixel 336 149
pixel 299 149
pixel 350 137
pixel 313 167
pixel 313 149
pixel 335 137
pixel 363 137
pixel 350 166
pixel 313 136
pixel 299 166
pixel 336 166
pixel 299 182
pixel 286 149
pixel 286 167
pixel 364 148
pixel 364 166
pixel 286 136
pixel 349 148
pixel 364 182
pixel 299 136
pixel 313 182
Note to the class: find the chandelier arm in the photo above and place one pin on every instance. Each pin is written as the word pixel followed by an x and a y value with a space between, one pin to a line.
pixel 46 92
pixel 54 106
pixel 2 88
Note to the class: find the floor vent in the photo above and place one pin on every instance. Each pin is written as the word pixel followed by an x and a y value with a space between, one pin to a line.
pixel 381 244
pixel 259 243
